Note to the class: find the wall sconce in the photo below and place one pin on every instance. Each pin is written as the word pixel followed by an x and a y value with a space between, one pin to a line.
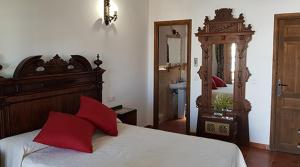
pixel 108 16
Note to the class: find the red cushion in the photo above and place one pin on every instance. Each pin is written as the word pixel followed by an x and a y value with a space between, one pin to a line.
pixel 100 115
pixel 213 85
pixel 67 131
pixel 219 82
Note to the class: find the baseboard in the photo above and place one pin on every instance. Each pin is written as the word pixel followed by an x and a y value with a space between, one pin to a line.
pixel 259 146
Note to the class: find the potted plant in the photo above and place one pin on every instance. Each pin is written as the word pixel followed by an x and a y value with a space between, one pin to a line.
pixel 221 104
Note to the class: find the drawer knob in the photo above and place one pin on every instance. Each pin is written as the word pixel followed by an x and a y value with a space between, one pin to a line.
pixel 298 146
pixel 298 131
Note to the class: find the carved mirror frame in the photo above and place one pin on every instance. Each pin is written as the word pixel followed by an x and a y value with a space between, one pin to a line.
pixel 224 28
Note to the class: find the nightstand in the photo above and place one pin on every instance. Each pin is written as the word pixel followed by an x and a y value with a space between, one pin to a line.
pixel 126 115
pixel 221 128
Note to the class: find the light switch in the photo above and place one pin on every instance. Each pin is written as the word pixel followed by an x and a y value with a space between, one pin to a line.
pixel 111 98
pixel 195 62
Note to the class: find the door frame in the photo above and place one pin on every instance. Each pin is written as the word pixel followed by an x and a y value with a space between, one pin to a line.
pixel 157 24
pixel 277 18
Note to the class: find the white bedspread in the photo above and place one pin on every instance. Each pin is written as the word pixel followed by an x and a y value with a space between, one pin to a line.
pixel 224 90
pixel 13 149
pixel 141 147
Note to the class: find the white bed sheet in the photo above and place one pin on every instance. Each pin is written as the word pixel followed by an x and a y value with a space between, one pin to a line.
pixel 224 90
pixel 141 147
pixel 14 149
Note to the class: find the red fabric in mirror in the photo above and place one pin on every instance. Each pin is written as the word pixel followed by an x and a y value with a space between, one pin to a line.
pixel 219 82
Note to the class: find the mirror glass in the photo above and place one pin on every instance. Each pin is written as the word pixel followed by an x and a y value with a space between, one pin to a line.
pixel 223 68
pixel 174 50
pixel 172 46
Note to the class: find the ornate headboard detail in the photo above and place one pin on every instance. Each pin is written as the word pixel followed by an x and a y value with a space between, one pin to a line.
pixel 35 66
pixel 1 69
pixel 39 87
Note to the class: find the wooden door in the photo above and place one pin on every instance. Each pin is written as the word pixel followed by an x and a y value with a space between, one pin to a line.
pixel 286 91
pixel 156 99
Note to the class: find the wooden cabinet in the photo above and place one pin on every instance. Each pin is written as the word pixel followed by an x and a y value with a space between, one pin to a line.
pixel 221 128
pixel 126 115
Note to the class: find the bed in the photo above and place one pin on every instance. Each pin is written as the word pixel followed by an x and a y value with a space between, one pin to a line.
pixel 224 90
pixel 39 87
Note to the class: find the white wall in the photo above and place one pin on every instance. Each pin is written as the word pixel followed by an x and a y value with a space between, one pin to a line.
pixel 257 12
pixel 65 27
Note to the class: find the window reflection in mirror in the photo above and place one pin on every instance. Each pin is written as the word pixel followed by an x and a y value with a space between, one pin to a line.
pixel 223 68
pixel 233 54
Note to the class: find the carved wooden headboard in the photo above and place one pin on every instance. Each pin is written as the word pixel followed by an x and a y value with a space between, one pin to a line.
pixel 39 87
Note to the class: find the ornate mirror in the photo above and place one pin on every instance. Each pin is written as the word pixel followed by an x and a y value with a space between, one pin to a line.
pixel 224 42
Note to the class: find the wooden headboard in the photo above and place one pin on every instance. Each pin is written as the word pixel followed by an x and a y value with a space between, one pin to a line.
pixel 38 87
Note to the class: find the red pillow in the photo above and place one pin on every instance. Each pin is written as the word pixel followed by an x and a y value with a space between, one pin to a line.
pixel 97 113
pixel 219 82
pixel 213 85
pixel 67 131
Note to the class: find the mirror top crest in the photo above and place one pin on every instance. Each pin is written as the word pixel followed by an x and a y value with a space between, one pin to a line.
pixel 225 22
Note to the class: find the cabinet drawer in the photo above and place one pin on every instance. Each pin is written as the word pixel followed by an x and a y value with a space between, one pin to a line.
pixel 221 128
pixel 217 128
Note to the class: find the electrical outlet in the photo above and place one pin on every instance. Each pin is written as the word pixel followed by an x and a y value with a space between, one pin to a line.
pixel 111 98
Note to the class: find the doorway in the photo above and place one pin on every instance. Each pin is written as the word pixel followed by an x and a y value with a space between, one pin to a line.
pixel 172 68
pixel 285 121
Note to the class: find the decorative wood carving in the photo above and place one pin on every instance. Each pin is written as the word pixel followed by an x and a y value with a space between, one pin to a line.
pixel 99 72
pixel 224 22
pixel 35 66
pixel 247 74
pixel 203 73
pixel 225 28
pixel 28 97
pixel 198 101
pixel 0 70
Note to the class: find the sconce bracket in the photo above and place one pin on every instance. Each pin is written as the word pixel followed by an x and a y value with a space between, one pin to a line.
pixel 107 17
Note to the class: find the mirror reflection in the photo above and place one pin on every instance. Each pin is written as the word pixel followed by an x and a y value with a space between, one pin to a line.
pixel 174 50
pixel 223 67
